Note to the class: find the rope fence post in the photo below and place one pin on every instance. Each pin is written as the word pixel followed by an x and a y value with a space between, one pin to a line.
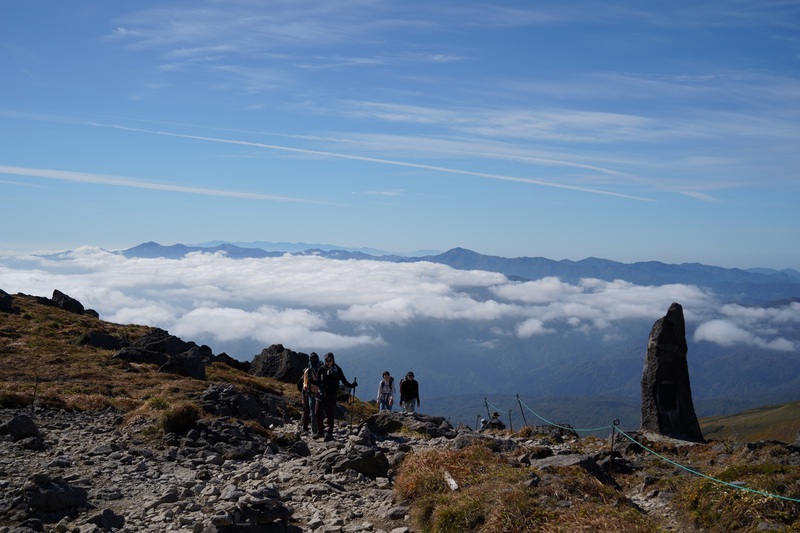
pixel 486 402
pixel 521 410
pixel 614 425
pixel 510 423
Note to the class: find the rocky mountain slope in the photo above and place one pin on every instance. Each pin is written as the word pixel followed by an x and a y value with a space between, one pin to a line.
pixel 103 429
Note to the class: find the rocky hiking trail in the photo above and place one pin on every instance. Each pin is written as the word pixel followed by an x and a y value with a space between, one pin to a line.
pixel 82 471
pixel 68 471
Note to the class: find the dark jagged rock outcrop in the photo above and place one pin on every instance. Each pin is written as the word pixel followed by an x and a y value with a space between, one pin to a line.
pixel 279 363
pixel 169 352
pixel 159 340
pixel 667 407
pixel 244 366
pixel 67 303
pixel 189 363
pixel 101 340
pixel 7 303
pixel 223 399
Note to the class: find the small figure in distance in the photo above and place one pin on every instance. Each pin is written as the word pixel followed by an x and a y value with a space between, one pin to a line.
pixel 495 422
pixel 330 375
pixel 310 390
pixel 484 423
pixel 386 392
pixel 409 393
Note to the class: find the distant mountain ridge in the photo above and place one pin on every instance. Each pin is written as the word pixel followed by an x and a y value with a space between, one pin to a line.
pixel 293 247
pixel 747 287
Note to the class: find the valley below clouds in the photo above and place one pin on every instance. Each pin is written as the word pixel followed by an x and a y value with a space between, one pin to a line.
pixel 376 314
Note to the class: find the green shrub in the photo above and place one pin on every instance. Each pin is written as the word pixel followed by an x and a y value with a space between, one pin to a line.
pixel 179 418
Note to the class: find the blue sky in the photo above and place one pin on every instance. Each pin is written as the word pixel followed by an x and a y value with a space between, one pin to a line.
pixel 625 130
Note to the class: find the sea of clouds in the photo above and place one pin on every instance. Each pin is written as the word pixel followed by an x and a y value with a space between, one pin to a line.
pixel 313 303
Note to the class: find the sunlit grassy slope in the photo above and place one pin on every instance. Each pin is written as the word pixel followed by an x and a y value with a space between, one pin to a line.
pixel 771 422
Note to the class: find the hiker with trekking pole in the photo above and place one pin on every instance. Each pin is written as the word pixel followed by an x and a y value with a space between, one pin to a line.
pixel 330 375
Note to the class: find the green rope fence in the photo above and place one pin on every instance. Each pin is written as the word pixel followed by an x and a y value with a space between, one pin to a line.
pixel 613 427
pixel 579 430
pixel 706 476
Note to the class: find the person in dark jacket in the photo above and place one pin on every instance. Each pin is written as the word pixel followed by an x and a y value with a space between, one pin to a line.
pixel 495 422
pixel 310 390
pixel 409 393
pixel 330 375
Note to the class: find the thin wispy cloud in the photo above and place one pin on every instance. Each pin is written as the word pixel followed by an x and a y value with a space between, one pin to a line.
pixel 530 181
pixel 19 183
pixel 118 181
pixel 384 193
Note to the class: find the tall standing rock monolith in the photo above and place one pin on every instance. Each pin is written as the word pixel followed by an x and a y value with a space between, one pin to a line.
pixel 667 407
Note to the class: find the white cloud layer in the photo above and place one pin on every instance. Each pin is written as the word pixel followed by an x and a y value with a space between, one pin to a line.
pixel 313 303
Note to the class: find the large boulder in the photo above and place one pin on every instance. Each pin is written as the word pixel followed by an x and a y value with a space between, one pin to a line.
pixel 100 339
pixel 189 363
pixel 67 303
pixel 7 304
pixel 365 460
pixel 159 340
pixel 279 363
pixel 586 462
pixel 138 355
pixel 53 495
pixel 223 399
pixel 667 407
pixel 20 427
pixel 386 422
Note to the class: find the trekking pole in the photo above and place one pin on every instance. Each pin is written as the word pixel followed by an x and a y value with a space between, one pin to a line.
pixel 352 400
pixel 486 401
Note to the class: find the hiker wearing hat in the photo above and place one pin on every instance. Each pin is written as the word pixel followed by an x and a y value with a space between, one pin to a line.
pixel 495 422
pixel 409 393
pixel 310 390
pixel 330 375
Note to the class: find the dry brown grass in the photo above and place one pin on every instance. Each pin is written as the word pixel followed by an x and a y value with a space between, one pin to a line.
pixel 493 496
pixel 764 470
pixel 41 360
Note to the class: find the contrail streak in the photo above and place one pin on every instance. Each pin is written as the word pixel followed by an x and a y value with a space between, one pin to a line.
pixel 531 181
pixel 103 179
